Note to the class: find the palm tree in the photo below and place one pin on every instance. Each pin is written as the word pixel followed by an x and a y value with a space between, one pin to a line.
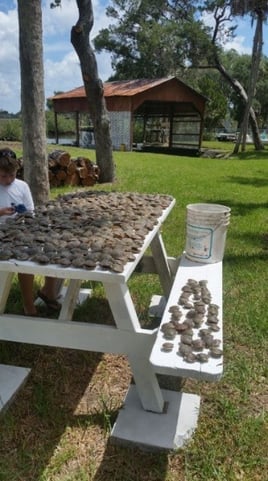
pixel 244 7
pixel 258 10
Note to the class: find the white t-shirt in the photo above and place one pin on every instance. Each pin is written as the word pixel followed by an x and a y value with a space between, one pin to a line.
pixel 16 193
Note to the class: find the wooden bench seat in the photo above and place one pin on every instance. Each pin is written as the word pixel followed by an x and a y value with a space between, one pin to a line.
pixel 172 363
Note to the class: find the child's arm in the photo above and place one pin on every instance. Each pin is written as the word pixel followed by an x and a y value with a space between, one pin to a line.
pixel 7 211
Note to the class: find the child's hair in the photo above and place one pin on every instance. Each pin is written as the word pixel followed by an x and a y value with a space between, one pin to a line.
pixel 8 160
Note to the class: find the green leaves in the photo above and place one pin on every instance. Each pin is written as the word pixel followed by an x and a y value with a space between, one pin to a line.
pixel 149 39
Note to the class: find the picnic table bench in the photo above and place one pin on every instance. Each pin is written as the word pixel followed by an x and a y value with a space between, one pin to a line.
pixel 175 425
pixel 171 363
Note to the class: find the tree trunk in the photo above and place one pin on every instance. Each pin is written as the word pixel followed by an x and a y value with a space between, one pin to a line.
pixel 253 76
pixel 33 99
pixel 239 89
pixel 94 90
pixel 219 14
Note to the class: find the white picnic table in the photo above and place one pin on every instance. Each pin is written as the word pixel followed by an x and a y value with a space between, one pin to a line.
pixel 150 416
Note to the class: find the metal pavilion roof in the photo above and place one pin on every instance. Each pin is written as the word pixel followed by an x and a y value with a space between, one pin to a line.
pixel 123 88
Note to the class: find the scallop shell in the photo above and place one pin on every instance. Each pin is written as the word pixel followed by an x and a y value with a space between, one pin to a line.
pixel 5 254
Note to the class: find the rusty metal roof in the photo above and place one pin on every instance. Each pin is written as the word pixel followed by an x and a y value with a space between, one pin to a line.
pixel 131 87
pixel 126 88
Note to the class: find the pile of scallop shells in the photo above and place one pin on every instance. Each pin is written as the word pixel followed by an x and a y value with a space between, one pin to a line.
pixel 83 230
pixel 193 322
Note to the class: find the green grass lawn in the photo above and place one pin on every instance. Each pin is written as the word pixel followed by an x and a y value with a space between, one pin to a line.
pixel 58 427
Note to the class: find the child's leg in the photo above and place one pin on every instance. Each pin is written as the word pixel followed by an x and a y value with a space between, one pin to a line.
pixel 50 292
pixel 26 285
pixel 51 288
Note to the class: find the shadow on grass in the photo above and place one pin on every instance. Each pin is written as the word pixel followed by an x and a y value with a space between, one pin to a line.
pixel 244 258
pixel 33 425
pixel 35 428
pixel 239 208
pixel 122 462
pixel 253 155
pixel 252 181
pixel 69 391
pixel 254 240
pixel 132 464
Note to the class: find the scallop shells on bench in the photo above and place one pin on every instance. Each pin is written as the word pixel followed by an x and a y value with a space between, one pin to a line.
pixel 84 229
pixel 195 320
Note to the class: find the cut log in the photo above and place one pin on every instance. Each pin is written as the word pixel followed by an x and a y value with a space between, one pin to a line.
pixel 88 181
pixel 61 175
pixel 71 168
pixel 81 161
pixel 52 163
pixel 82 172
pixel 72 179
pixel 52 180
pixel 61 157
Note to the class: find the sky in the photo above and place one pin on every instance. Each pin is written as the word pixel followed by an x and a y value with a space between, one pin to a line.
pixel 61 64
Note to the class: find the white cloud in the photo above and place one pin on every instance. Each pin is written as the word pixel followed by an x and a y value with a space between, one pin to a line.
pixel 240 44
pixel 8 37
pixel 58 21
pixel 66 75
pixel 61 63
pixel 62 75
pixel 9 62
pixel 62 71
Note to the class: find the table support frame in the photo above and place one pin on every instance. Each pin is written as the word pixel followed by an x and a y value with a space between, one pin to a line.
pixel 158 410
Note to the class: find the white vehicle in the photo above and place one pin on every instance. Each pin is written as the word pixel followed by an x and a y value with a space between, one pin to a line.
pixel 226 136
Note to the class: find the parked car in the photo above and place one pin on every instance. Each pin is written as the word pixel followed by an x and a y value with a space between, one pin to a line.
pixel 226 136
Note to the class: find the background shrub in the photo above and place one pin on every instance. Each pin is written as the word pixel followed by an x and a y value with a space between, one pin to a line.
pixel 10 130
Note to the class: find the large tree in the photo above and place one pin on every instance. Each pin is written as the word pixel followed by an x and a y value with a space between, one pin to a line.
pixel 222 15
pixel 33 98
pixel 258 10
pixel 94 90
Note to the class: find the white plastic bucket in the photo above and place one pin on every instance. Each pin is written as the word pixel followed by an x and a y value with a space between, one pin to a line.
pixel 206 228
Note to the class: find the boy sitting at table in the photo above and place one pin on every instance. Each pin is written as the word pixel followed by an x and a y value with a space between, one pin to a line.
pixel 15 192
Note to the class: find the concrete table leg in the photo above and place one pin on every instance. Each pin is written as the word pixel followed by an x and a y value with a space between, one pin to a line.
pixel 165 431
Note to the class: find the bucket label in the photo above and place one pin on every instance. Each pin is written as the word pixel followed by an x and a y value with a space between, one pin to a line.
pixel 199 241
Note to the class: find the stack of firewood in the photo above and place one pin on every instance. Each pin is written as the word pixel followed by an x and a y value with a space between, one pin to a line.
pixel 64 170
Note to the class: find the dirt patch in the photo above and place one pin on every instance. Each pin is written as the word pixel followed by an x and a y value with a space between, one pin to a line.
pixel 215 154
pixel 12 145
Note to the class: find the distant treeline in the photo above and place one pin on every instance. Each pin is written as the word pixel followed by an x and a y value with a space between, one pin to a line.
pixel 4 114
pixel 10 125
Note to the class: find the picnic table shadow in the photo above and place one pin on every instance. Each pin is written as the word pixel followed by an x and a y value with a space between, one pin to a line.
pixel 32 428
pixel 130 463
pixel 33 425
pixel 47 405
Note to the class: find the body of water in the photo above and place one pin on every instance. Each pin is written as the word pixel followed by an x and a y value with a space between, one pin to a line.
pixel 62 140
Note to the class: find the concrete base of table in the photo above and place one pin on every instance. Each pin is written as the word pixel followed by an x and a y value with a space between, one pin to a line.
pixel 148 430
pixel 11 379
pixel 157 306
